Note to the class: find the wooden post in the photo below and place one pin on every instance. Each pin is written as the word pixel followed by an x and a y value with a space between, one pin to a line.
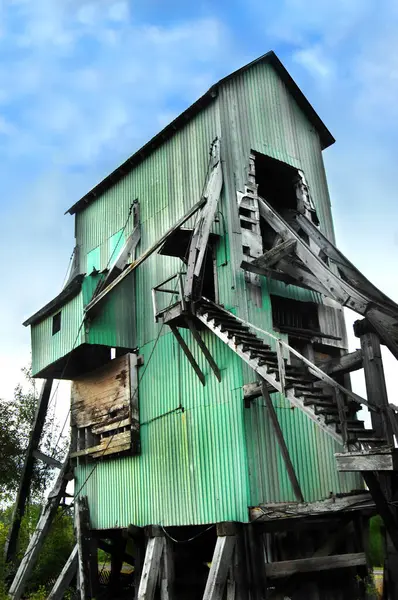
pixel 281 441
pixel 87 551
pixel 65 577
pixel 376 389
pixel 221 563
pixel 167 571
pixel 381 488
pixel 27 471
pixel 151 568
pixel 118 550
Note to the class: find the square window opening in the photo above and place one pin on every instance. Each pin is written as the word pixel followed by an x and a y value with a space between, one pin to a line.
pixel 56 323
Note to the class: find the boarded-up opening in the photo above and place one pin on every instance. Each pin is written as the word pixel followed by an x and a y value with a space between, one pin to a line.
pixel 104 410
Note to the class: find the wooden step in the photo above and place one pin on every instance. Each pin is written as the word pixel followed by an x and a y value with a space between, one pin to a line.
pixel 226 327
pixel 242 338
pixel 262 353
pixel 328 411
pixel 352 425
pixel 270 362
pixel 320 403
pixel 247 346
pixel 312 394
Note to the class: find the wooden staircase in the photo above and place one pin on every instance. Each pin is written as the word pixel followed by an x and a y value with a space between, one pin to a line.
pixel 300 384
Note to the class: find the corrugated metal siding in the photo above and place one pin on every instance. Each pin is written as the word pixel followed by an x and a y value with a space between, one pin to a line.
pixel 192 468
pixel 257 113
pixel 48 348
pixel 211 461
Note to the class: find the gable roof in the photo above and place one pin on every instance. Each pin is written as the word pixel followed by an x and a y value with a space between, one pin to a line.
pixel 270 57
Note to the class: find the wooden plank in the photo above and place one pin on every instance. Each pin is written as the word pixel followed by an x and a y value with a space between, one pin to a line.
pixel 108 444
pixel 212 194
pixel 286 568
pixel 281 441
pixel 203 347
pixel 49 460
pixel 100 393
pixel 221 562
pixel 373 460
pixel 291 510
pixel 31 555
pixel 125 253
pixel 150 571
pixel 167 571
pixel 134 404
pixel 65 577
pixel 188 353
pixel 347 363
pixel 98 299
pixel 268 259
pixel 116 425
pixel 87 551
pixel 27 471
pixel 376 389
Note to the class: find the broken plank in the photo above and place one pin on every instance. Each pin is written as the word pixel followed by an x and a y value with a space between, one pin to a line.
pixel 49 460
pixel 286 568
pixel 111 426
pixel 275 254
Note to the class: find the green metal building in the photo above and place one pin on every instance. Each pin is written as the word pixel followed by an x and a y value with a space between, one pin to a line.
pixel 205 455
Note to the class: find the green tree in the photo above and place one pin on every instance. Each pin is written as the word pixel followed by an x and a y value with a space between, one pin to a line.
pixel 17 417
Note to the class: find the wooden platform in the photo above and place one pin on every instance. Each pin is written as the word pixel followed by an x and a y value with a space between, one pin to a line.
pixel 381 459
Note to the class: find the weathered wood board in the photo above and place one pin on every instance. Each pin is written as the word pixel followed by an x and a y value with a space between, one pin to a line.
pixel 104 409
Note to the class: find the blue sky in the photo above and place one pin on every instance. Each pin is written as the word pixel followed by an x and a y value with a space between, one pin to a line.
pixel 84 83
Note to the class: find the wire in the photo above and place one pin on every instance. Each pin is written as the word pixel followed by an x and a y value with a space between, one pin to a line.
pixel 194 537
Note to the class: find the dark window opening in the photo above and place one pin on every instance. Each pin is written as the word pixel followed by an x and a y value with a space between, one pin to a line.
pixel 56 323
pixel 294 317
pixel 209 276
pixel 276 182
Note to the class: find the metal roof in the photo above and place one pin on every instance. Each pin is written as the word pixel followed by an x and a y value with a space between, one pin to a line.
pixel 270 57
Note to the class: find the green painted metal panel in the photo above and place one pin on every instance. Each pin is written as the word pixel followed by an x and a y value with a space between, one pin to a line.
pixel 204 457
pixel 48 348
pixel 257 113
pixel 192 468
pixel 93 260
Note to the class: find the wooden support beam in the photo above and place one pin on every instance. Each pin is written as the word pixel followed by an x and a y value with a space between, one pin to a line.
pixel 347 363
pixel 36 541
pixel 321 508
pixel 167 571
pixel 197 337
pixel 87 551
pixel 150 571
pixel 48 460
pixel 376 389
pixel 221 562
pixel 27 471
pixel 281 441
pixel 65 577
pixel 286 568
pixel 188 353
pixel 368 460
pixel 268 259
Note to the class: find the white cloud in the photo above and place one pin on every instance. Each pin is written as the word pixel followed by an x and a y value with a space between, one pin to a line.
pixel 313 60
